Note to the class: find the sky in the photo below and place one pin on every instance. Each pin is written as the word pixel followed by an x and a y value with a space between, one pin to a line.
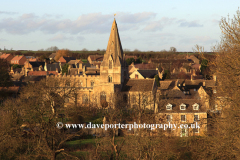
pixel 146 25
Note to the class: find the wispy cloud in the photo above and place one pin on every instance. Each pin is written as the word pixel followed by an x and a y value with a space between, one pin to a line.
pixel 159 25
pixel 184 23
pixel 9 13
pixel 60 38
pixel 86 23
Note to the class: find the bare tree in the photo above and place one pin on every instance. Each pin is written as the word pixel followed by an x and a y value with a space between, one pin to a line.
pixel 173 49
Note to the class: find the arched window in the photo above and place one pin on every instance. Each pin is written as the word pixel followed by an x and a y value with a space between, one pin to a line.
pixel 110 64
pixel 102 96
pixel 109 78
pixel 85 99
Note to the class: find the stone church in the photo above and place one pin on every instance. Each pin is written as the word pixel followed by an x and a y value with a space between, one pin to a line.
pixel 113 80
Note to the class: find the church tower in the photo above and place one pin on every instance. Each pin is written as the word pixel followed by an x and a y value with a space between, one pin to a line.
pixel 114 68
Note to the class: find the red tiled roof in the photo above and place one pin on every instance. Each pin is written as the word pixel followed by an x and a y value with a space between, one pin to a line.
pixel 4 56
pixel 17 58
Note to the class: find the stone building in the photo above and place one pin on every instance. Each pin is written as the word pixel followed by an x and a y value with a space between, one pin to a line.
pixel 113 81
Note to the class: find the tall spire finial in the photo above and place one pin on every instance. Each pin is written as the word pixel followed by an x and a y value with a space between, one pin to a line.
pixel 114 15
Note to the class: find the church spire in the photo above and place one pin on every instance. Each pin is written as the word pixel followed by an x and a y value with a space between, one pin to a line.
pixel 114 47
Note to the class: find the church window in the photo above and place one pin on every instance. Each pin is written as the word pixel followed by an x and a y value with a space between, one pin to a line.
pixel 85 99
pixel 92 83
pixel 136 76
pixel 102 96
pixel 110 64
pixel 109 78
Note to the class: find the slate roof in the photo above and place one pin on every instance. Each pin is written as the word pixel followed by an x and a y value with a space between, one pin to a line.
pixel 86 64
pixel 167 84
pixel 148 73
pixel 96 57
pixel 53 66
pixel 52 55
pixel 18 70
pixel 198 82
pixel 145 66
pixel 142 85
pixel 37 64
pixel 69 59
pixel 174 93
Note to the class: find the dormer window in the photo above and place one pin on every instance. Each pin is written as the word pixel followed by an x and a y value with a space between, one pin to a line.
pixel 169 107
pixel 182 107
pixel 195 106
pixel 110 64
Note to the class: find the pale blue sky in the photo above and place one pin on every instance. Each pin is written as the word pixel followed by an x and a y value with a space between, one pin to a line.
pixel 152 25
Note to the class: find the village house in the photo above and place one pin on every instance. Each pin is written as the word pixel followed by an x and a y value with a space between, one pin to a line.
pixel 178 107
pixel 52 56
pixel 64 60
pixel 7 57
pixel 143 74
pixel 193 58
pixel 93 59
pixel 19 59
